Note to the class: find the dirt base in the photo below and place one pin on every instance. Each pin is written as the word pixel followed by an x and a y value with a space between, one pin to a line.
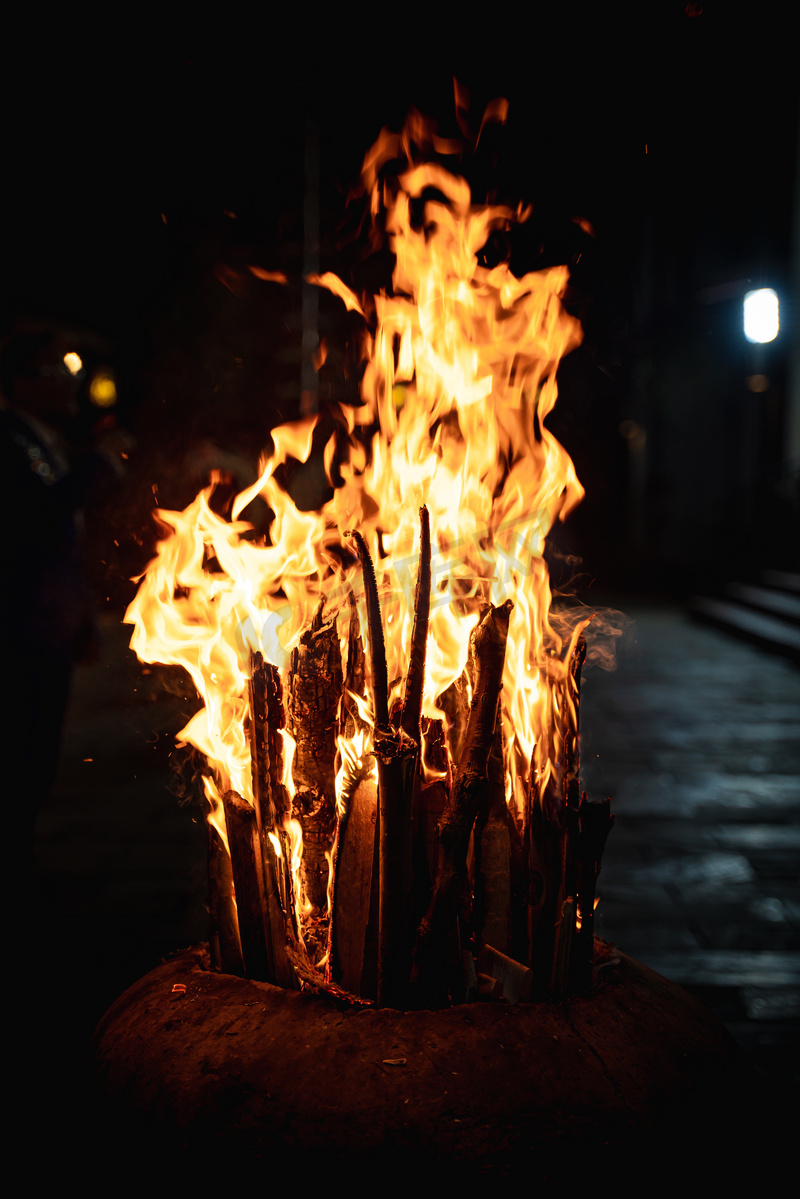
pixel 245 1070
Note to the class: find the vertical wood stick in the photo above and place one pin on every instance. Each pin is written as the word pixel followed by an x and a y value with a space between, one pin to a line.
pixel 271 803
pixel 415 681
pixel 469 789
pixel 272 809
pixel 596 823
pixel 493 855
pixel 567 896
pixel 224 943
pixel 314 693
pixel 375 641
pixel 248 881
pixel 395 756
pixel 354 885
pixel 350 719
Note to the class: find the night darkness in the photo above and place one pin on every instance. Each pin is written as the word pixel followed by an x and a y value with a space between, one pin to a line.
pixel 146 171
pixel 147 177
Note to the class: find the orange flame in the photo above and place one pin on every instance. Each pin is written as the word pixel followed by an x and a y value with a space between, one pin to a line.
pixel 459 381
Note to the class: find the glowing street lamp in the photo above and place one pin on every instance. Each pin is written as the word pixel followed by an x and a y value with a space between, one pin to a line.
pixel 761 321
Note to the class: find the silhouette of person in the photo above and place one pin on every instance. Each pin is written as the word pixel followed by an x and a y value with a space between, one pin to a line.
pixel 46 618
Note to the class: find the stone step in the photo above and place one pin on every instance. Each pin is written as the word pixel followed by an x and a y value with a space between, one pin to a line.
pixel 773 632
pixel 784 580
pixel 766 599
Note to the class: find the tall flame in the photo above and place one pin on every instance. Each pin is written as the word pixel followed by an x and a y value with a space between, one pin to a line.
pixel 460 378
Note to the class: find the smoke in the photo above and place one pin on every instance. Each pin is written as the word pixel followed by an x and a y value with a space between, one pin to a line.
pixel 605 633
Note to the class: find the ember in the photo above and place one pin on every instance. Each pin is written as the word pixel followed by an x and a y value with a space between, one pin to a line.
pixel 390 715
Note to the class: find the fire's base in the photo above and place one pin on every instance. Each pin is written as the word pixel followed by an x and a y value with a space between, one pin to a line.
pixel 245 1070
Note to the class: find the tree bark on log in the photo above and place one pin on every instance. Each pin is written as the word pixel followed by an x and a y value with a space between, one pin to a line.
pixel 224 943
pixel 272 806
pixel 350 720
pixel 567 908
pixel 596 823
pixel 431 959
pixel 355 894
pixel 314 693
pixel 415 680
pixel 493 856
pixel 453 704
pixel 248 881
pixel 395 755
pixel 544 845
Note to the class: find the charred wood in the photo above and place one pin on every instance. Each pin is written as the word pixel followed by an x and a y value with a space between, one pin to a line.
pixel 350 720
pixel 314 691
pixel 224 944
pixel 493 855
pixel 470 786
pixel 272 805
pixel 248 880
pixel 355 894
pixel 396 757
pixel 543 837
pixel 415 680
pixel 596 823
pixel 454 705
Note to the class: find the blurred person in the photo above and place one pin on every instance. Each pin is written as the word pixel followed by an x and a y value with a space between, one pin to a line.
pixel 47 621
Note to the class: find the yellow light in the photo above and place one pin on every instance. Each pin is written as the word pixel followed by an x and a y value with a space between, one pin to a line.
pixel 103 390
pixel 761 315
pixel 73 362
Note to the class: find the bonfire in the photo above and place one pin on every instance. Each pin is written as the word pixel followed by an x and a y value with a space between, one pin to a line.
pixel 390 719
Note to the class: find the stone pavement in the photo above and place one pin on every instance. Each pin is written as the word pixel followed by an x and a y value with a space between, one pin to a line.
pixel 695 737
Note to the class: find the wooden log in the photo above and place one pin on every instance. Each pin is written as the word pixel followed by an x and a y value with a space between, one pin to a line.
pixel 520 886
pixel 453 704
pixel 248 881
pixel 562 951
pixel 379 681
pixel 395 755
pixel 567 907
pixel 431 962
pixel 314 692
pixel 493 855
pixel 355 894
pixel 224 944
pixel 543 846
pixel 279 800
pixel 415 680
pixel 596 823
pixel 272 811
pixel 350 720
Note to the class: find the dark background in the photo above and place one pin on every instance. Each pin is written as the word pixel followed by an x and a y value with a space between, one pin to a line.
pixel 147 169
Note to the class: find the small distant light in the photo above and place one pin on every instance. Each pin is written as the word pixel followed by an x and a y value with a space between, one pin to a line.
pixel 761 315
pixel 103 390
pixel 73 362
pixel 757 383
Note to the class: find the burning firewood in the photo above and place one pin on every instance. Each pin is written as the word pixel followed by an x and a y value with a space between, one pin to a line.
pixel 314 692
pixel 493 855
pixel 596 823
pixel 248 881
pixel 469 788
pixel 354 935
pixel 395 754
pixel 225 946
pixel 412 700
pixel 273 809
pixel 399 846
pixel 354 676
